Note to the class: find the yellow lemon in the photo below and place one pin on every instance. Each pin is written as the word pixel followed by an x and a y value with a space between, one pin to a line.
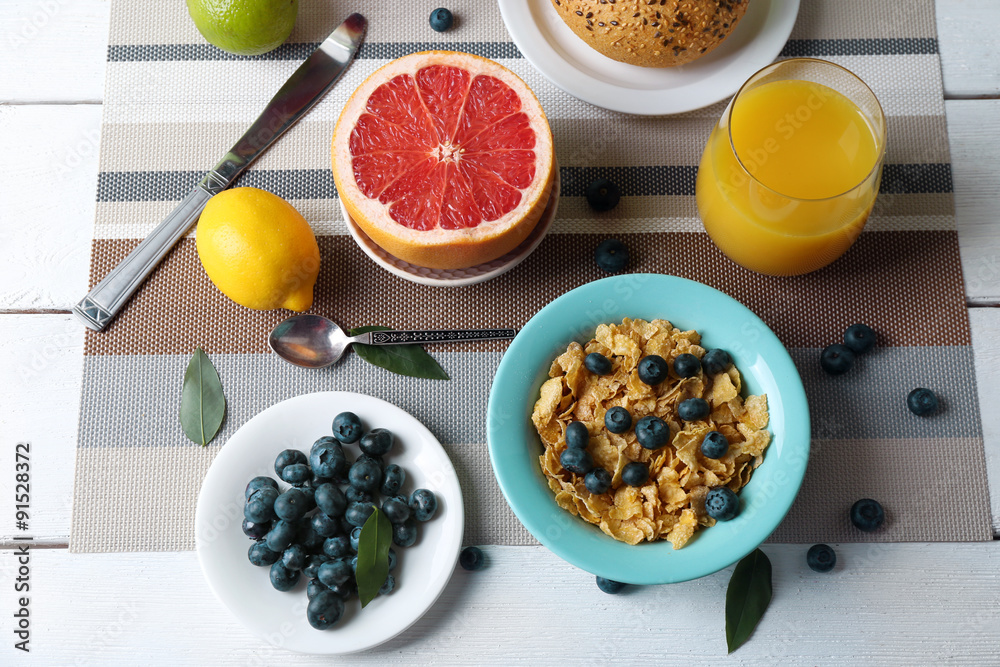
pixel 258 250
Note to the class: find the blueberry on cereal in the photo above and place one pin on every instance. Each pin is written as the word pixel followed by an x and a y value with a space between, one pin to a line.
pixel 597 481
pixel 714 446
pixel 577 460
pixel 617 419
pixel 597 363
pixel 716 361
pixel 722 504
pixel 687 365
pixel 652 432
pixel 577 435
pixel 653 369
pixel 635 473
pixel 693 409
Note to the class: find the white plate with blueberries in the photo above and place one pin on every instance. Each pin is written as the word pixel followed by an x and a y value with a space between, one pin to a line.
pixel 292 539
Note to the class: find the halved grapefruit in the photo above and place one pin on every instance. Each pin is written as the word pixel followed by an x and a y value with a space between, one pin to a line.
pixel 444 159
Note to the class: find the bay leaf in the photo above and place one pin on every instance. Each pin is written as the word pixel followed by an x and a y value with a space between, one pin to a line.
pixel 747 597
pixel 203 405
pixel 373 556
pixel 409 360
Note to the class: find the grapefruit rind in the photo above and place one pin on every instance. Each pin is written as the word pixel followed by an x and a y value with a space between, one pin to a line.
pixel 440 248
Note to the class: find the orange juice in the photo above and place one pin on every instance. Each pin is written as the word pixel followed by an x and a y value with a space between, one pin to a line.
pixel 798 189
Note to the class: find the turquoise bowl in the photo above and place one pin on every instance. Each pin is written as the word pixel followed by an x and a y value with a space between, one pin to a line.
pixel 723 322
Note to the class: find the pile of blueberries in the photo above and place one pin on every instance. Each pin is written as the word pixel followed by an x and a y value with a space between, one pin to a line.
pixel 651 431
pixel 312 529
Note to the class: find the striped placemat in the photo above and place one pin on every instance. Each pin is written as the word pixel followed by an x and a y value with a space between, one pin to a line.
pixel 174 104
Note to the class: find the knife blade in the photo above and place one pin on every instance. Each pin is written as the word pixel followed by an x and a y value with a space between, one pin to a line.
pixel 300 93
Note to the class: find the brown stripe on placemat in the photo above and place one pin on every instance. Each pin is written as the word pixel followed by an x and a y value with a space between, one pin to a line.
pixel 907 285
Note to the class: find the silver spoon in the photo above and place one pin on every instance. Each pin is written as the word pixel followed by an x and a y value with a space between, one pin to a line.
pixel 312 341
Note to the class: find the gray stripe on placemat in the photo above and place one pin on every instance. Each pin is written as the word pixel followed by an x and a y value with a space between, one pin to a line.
pixel 634 181
pixel 841 407
pixel 496 50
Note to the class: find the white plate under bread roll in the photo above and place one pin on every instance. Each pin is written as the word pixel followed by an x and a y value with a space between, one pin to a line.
pixel 652 33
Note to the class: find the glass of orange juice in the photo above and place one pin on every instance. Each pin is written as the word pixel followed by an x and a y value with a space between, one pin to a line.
pixel 791 170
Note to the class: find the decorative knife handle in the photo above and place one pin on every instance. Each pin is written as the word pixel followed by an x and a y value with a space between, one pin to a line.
pixel 447 336
pixel 104 301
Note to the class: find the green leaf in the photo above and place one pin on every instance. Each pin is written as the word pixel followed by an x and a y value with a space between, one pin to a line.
pixel 203 406
pixel 410 360
pixel 373 556
pixel 747 598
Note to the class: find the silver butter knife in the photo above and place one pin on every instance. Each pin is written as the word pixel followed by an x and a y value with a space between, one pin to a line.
pixel 307 86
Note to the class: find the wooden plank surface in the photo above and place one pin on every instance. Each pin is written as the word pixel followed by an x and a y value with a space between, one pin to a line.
pixel 901 604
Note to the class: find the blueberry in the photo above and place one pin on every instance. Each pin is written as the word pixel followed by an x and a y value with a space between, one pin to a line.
pixel 653 369
pixel 404 534
pixel 365 475
pixel 328 460
pixel 597 480
pixel 860 338
pixel 611 256
pixel 714 446
pixel 393 478
pixel 652 432
pixel 597 363
pixel 354 563
pixel 325 610
pixel 324 525
pixel 345 526
pixel 280 536
pixel 423 504
pixel 357 496
pixel 635 473
pixel 617 419
pixel 441 19
pixel 334 572
pixel 577 460
pixel 260 555
pixel 395 510
pixel 836 359
pixel 297 474
pixel 331 500
pixel 610 586
pixel 376 442
pixel 290 505
pixel 307 536
pixel 311 569
pixel 577 435
pixel 259 483
pixel 282 578
pixel 722 504
pixel 338 547
pixel 309 491
pixel 347 427
pixel 388 586
pixel 314 588
pixel 821 557
pixel 603 195
pixel 255 530
pixel 260 507
pixel 716 361
pixel 472 559
pixel 355 538
pixel 867 515
pixel 287 458
pixel 392 559
pixel 294 557
pixel 358 513
pixel 922 402
pixel 693 409
pixel 325 440
pixel 686 365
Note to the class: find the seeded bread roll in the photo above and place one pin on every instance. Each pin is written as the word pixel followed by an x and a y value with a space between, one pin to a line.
pixel 652 33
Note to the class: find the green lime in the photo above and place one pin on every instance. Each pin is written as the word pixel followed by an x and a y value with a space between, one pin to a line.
pixel 244 27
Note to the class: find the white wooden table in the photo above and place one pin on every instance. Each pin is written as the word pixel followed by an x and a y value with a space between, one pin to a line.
pixel 889 604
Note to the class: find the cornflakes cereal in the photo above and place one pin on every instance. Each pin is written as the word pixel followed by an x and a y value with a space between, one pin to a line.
pixel 671 505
